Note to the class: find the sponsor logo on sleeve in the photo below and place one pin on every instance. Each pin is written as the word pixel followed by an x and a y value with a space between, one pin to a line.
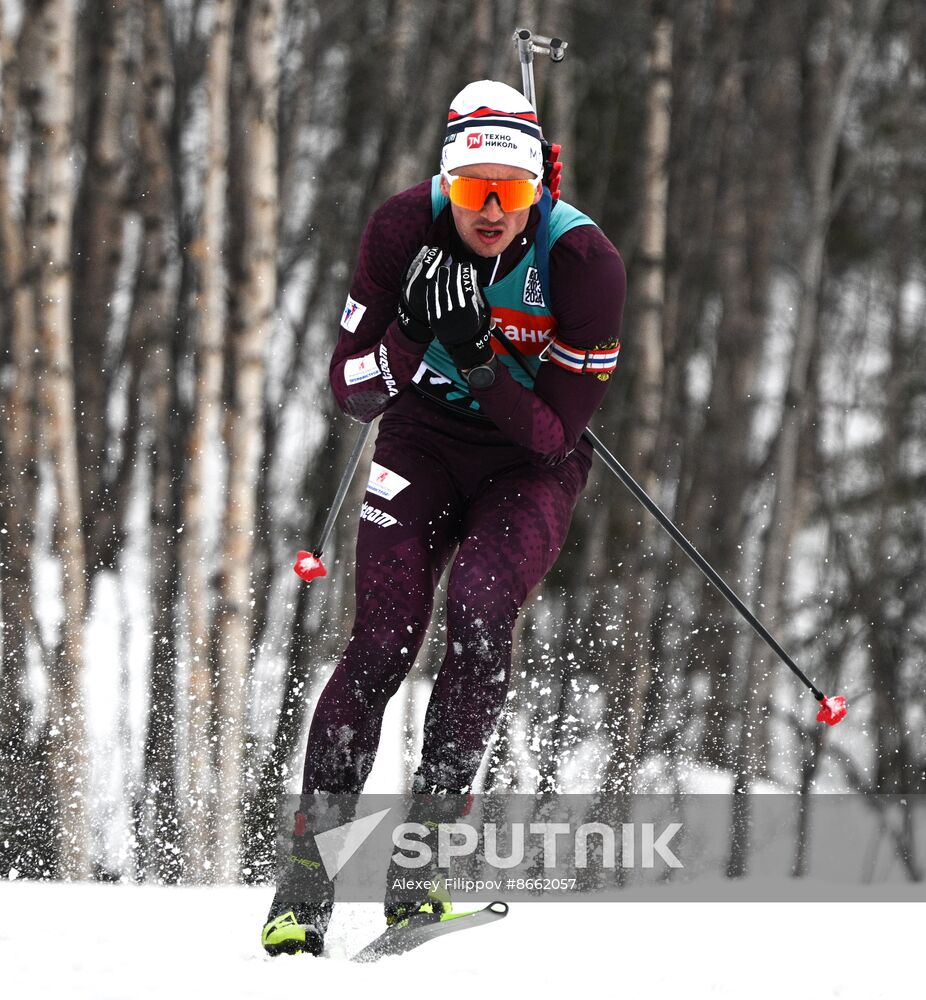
pixel 384 482
pixel 360 369
pixel 387 371
pixel 352 315
pixel 599 361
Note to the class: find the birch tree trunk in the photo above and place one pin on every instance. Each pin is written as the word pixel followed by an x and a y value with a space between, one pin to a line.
pixel 560 103
pixel 749 205
pixel 98 238
pixel 153 330
pixel 896 766
pixel 21 798
pixel 834 91
pixel 834 81
pixel 51 184
pixel 626 711
pixel 209 250
pixel 253 268
pixel 398 150
pixel 17 395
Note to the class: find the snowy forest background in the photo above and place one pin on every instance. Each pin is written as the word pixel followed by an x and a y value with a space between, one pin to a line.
pixel 183 186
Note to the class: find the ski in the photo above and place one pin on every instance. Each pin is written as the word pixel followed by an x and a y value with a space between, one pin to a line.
pixel 422 928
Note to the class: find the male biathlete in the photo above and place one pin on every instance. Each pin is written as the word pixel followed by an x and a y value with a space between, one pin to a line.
pixel 477 463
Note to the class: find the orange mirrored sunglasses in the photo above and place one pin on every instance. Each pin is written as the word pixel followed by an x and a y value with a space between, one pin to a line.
pixel 471 192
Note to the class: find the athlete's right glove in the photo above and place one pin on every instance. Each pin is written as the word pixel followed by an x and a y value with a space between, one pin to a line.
pixel 413 307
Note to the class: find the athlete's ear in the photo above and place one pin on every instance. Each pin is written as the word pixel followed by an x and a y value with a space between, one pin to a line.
pixel 444 186
pixel 538 194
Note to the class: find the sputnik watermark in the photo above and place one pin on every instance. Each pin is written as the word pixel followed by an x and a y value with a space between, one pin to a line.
pixel 460 840
pixel 599 846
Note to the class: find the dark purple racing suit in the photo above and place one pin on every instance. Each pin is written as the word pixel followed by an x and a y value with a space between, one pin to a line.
pixel 495 496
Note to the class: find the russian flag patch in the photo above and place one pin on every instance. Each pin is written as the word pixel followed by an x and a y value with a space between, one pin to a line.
pixel 573 359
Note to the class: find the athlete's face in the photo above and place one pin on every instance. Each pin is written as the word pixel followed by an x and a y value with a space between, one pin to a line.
pixel 489 230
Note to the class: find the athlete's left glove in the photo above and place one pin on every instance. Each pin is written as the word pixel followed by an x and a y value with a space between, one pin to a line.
pixel 413 308
pixel 459 315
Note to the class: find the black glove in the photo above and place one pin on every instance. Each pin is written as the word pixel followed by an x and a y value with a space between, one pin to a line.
pixel 459 315
pixel 413 308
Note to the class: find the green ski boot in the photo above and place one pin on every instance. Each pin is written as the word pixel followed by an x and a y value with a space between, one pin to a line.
pixel 436 906
pixel 429 806
pixel 301 907
pixel 297 931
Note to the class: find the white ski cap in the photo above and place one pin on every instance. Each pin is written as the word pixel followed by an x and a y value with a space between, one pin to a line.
pixel 490 122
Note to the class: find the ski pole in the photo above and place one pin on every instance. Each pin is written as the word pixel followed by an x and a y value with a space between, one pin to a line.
pixel 832 710
pixel 309 564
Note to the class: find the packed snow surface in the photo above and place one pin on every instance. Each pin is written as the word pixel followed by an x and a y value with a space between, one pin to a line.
pixel 122 942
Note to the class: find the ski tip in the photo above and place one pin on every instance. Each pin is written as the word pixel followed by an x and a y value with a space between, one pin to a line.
pixel 401 939
pixel 309 566
pixel 832 710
